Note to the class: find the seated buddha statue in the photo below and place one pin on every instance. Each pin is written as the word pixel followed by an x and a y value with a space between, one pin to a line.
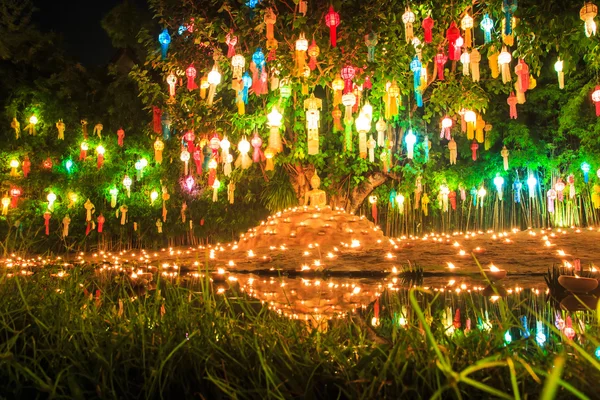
pixel 315 197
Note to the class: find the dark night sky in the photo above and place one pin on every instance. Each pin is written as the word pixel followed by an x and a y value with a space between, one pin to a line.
pixel 78 21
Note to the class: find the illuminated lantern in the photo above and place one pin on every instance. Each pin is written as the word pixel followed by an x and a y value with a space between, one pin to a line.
pixel 587 14
pixel 531 183
pixel 214 145
pixel 153 197
pixel 275 121
pixel 452 198
pixel 272 46
pixel 204 85
pixel 452 35
pixel 16 125
pixel 47 216
pixel 596 99
pixel 481 193
pixel 127 183
pixel 504 153
pixel 100 156
pixel 231 41
pixel 83 151
pixel 312 106
pixel 269 154
pixel 166 125
pixel 499 182
pixel 508 10
pixel 185 157
pixel 214 78
pixel 5 204
pixel 467 25
pixel 140 165
pixel 371 41
pixel 427 25
pixel 164 39
pixel 336 114
pixel 15 193
pixel 313 53
pixel 225 156
pixel 373 202
pixel 453 151
pixel 571 182
pixel 123 209
pixel 120 137
pixel 475 58
pixel 189 183
pixel 487 24
pixel 415 67
pixel 172 81
pixel 471 120
pixel 190 72
pixel 425 203
pixel 301 48
pixel 474 147
pixel 348 100
pixel 558 67
pixel 371 143
pixel 410 139
pixel 98 130
pixel 585 168
pixel 348 73
pixel 381 127
pixel 51 199
pixel 159 146
pixel 33 120
pixel 114 192
pixel 551 195
pixel 391 100
pixel 504 60
pixel 446 128
pixel 338 86
pixel 465 59
pixel 165 197
pixel 332 20
pixel 408 18
pixel 256 142
pixel 156 118
pixel 60 126
pixel 444 192
pixel 270 18
pixel 363 125
pixel 14 164
pixel 493 62
pixel 244 161
pixel 216 185
pixel 522 71
pixel 559 187
pixel 512 102
pixel 90 209
pixel 238 63
pixel 66 222
pixel 426 147
pixel 72 199
pixel 400 202
pixel 440 60
pixel 101 221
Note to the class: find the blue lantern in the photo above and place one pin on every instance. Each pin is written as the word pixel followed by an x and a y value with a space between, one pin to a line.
pixel 525 331
pixel 247 80
pixel 474 195
pixel 585 168
pixel 517 186
pixel 166 125
pixel 415 67
pixel 182 29
pixel 165 40
pixel 508 10
pixel 69 165
pixel 487 24
pixel 259 59
pixel 252 3
pixel 393 198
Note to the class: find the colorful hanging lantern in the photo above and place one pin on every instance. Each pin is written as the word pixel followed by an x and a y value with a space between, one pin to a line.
pixel 275 121
pixel 558 67
pixel 512 102
pixel 452 35
pixel 531 183
pixel 373 202
pixel 185 158
pixel 139 166
pixel 5 203
pixel 257 142
pixel 408 18
pixel 504 153
pixel 14 164
pixel 470 119
pixel 446 128
pixel 487 24
pixel 427 25
pixel 191 72
pixel 15 193
pixel 587 14
pixel 465 60
pixel 60 126
pixel 338 86
pixel 166 125
pixel 348 73
pixel 522 71
pixel 83 151
pixel 336 114
pixel 440 61
pixel 371 144
pixel 504 60
pixel 415 67
pixel 165 40
pixel 16 125
pixel 172 81
pixel 120 137
pixel 269 155
pixel 214 78
pixel 159 146
pixel 244 161
pixel 381 127
pixel 475 59
pixel 453 151
pixel 51 200
pixel 508 9
pixel 30 128
pixel 371 41
pixel 363 125
pixel 270 18
pixel 114 192
pixel 231 42
pixel 238 63
pixel 499 182
pixel 127 182
pixel 391 100
pixel 313 53
pixel 225 156
pixel 474 147
pixel 301 48
pixel 100 156
pixel 585 168
pixel 466 24
pixel 481 193
pixel 410 139
pixel 596 99
pixel 312 106
pixel 216 185
pixel 332 20
pixel 551 195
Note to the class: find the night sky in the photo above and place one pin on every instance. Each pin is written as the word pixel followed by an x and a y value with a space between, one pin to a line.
pixel 78 22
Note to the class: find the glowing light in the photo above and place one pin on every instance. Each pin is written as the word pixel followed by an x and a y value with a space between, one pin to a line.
pixel 33 120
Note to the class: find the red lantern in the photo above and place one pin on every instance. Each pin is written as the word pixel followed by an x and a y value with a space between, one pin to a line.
pixel 474 147
pixel 452 198
pixel 189 137
pixel 332 20
pixel 452 34
pixel 120 136
pixel 198 160
pixel 440 61
pixel 348 73
pixel 101 221
pixel 15 193
pixel 512 102
pixel 26 166
pixel 522 71
pixel 596 100
pixel 190 72
pixel 231 42
pixel 156 118
pixel 47 163
pixel 428 29
pixel 47 216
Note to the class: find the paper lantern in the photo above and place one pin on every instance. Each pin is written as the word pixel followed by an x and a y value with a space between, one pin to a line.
pixel 560 187
pixel 114 192
pixel 51 197
pixel 238 63
pixel 504 153
pixel 371 144
pixel 172 81
pixel 216 185
pixel 452 147
pixel 499 182
pixel 363 125
pixel 466 23
pixel 185 157
pixel 504 60
pixel 512 102
pixel 100 156
pixel 415 67
pixel 83 148
pixel 487 24
pixel 5 203
pixel 373 202
pixel 15 193
pixel 371 41
pixel 410 139
pixel 470 119
pixel 312 106
pixel 60 126
pixel 225 156
pixel 231 41
pixel 159 146
pixel 596 99
pixel 558 67
pixel 508 8
pixel 164 39
pixel 585 168
pixel 440 61
pixel 30 128
pixel 408 18
pixel 269 154
pixel 381 127
pixel 301 48
pixel 14 164
pixel 16 125
pixel 551 195
pixel 427 25
pixel 531 183
pixel 474 147
pixel 493 62
pixel 101 221
pixel 244 161
pixel 191 72
pixel 257 142
pixel 153 197
pixel 189 183
pixel 127 182
pixel 275 120
pixel 166 125
pixel 475 59
pixel 587 14
pixel 391 100
pixel 214 78
pixel 313 53
pixel 522 71
pixel 332 20
pixel 465 60
pixel 270 18
pixel 139 166
pixel 348 73
pixel 446 128
pixel 452 35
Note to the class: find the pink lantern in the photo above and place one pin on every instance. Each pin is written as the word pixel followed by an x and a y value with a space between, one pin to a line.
pixel 512 102
pixel 190 72
pixel 257 143
pixel 332 20
pixel 231 41
pixel 440 60
pixel 596 100
pixel 446 127
pixel 348 73
pixel 522 71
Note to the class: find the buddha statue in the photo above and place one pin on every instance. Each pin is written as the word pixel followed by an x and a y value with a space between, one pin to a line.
pixel 315 197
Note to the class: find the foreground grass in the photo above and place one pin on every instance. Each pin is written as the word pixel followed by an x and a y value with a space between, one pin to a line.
pixel 81 337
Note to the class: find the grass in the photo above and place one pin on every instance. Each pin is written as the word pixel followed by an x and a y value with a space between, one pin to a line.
pixel 84 336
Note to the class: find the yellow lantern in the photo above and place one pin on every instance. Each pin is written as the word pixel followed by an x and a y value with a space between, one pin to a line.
pixel 159 146
pixel 338 87
pixel 471 120
pixel 587 14
pixel 408 18
pixel 275 121
pixel 301 48
pixel 558 67
pixel 14 164
pixel 467 25
pixel 269 154
pixel 312 106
